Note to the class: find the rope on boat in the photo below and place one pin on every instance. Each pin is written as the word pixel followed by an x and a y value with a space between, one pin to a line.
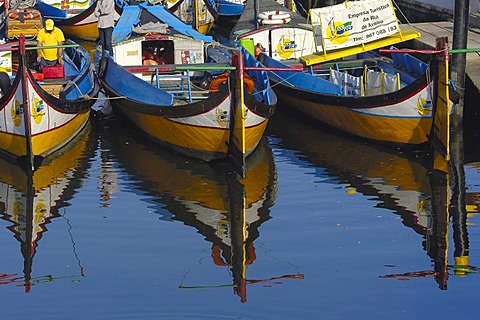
pixel 87 97
pixel 285 80
pixel 397 8
pixel 82 95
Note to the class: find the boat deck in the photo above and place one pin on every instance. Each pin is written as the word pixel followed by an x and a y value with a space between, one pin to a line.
pixel 53 86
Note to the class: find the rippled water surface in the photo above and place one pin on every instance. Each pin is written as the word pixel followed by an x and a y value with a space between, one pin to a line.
pixel 323 227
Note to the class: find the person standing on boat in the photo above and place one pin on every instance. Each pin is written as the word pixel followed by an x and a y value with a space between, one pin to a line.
pixel 105 12
pixel 50 36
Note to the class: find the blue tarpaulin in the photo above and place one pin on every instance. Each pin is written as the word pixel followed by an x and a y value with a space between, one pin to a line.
pixel 131 16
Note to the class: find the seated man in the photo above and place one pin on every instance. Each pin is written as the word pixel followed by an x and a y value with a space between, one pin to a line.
pixel 49 36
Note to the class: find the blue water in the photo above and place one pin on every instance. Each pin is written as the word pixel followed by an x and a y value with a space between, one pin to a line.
pixel 333 228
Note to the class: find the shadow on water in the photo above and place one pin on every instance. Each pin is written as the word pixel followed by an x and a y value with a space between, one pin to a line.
pixel 209 197
pixel 31 201
pixel 428 201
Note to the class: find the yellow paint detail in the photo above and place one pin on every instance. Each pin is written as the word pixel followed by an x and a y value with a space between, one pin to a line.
pixel 13 144
pixel 205 27
pixel 282 46
pixel 193 137
pixel 387 129
pixel 423 206
pixel 87 31
pixel 424 107
pixel 15 112
pixel 222 117
pixel 18 208
pixel 472 208
pixel 333 36
pixel 350 190
pixel 58 169
pixel 46 142
pixel 461 266
pixel 40 210
pixel 38 112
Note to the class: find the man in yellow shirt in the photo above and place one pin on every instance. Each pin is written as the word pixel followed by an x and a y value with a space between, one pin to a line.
pixel 49 36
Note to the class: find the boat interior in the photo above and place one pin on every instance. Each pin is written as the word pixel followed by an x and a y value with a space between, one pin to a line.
pixel 177 68
pixel 365 74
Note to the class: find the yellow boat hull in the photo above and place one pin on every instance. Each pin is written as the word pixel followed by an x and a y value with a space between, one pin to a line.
pixel 204 142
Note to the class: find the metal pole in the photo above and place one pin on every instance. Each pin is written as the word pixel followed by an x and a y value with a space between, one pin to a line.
pixel 460 34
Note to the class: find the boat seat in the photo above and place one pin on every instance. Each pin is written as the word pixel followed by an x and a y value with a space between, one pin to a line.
pixel 410 63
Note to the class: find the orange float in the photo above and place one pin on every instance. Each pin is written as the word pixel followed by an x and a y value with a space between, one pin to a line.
pixel 28 14
pixel 215 84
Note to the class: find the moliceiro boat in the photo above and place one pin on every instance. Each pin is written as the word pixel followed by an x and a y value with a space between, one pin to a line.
pixel 76 19
pixel 348 82
pixel 42 112
pixel 171 88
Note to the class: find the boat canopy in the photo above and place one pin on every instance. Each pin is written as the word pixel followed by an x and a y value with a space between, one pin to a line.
pixel 131 16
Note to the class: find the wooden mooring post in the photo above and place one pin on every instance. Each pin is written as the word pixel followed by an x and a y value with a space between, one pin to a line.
pixel 458 66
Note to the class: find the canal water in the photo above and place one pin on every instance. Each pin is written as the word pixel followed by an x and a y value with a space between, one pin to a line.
pixel 323 227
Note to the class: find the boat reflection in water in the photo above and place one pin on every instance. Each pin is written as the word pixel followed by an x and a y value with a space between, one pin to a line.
pixel 207 196
pixel 403 182
pixel 30 202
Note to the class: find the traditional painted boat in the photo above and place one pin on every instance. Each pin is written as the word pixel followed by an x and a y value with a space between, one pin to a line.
pixel 227 12
pixel 197 13
pixel 28 203
pixel 75 19
pixel 39 115
pixel 166 85
pixel 349 85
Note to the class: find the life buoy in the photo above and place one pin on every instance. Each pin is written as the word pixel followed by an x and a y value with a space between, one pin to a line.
pixel 28 14
pixel 149 62
pixel 149 59
pixel 274 15
pixel 248 83
pixel 215 84
pixel 274 21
